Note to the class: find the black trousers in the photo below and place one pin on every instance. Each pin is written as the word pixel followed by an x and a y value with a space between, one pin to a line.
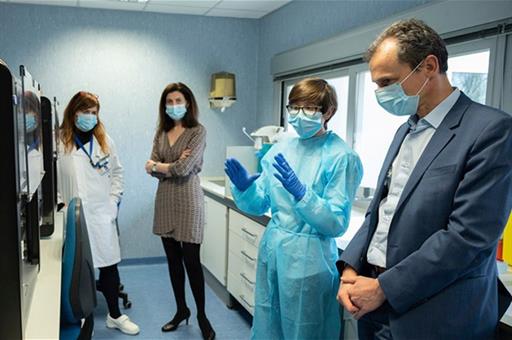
pixel 109 282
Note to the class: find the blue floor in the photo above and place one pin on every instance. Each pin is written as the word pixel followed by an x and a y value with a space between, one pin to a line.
pixel 150 291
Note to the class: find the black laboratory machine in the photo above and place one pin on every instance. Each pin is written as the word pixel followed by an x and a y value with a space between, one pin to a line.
pixel 50 126
pixel 22 171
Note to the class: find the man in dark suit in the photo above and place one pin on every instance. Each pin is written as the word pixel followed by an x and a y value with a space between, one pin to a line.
pixel 422 266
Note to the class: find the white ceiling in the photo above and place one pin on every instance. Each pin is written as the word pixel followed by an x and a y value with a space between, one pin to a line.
pixel 219 8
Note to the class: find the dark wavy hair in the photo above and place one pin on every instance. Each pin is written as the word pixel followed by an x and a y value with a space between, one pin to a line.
pixel 165 123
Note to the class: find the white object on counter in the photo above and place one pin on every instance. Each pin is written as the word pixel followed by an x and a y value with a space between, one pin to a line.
pixel 266 134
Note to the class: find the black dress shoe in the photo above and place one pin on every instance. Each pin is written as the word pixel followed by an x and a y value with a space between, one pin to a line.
pixel 206 328
pixel 175 322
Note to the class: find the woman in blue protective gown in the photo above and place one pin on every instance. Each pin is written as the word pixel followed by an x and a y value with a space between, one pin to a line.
pixel 309 183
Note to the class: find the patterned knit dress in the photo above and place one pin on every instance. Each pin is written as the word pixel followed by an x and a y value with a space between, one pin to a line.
pixel 179 202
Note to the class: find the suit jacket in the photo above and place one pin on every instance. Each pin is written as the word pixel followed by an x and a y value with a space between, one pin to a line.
pixel 441 281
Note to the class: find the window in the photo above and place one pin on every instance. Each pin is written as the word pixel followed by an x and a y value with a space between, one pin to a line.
pixel 469 72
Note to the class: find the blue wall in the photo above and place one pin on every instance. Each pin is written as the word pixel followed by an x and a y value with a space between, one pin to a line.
pixel 302 22
pixel 127 58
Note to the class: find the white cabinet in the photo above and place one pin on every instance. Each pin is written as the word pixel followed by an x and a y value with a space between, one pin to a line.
pixel 214 248
pixel 244 239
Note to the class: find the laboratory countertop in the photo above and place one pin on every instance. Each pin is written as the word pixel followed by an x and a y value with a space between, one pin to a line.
pixel 44 315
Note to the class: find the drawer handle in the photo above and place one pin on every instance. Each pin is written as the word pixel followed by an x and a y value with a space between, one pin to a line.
pixel 245 301
pixel 249 233
pixel 247 256
pixel 247 279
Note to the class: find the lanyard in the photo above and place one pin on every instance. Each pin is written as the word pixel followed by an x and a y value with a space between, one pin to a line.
pixel 91 143
pixel 102 163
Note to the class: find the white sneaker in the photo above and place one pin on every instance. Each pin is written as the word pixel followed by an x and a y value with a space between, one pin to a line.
pixel 123 323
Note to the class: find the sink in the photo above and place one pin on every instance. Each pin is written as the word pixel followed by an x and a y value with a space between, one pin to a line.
pixel 219 182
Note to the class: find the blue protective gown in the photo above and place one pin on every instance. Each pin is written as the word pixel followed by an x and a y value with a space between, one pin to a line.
pixel 296 279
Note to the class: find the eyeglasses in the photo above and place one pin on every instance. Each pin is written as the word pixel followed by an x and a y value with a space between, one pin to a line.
pixel 309 110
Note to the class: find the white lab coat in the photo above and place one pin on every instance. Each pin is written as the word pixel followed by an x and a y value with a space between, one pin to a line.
pixel 100 191
pixel 35 170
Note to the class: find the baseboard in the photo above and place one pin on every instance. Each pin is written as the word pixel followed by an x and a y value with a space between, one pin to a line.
pixel 143 261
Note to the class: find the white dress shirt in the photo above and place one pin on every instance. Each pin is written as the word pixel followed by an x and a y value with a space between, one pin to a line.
pixel 411 149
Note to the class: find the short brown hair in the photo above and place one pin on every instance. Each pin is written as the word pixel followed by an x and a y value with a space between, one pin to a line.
pixel 165 123
pixel 81 101
pixel 416 40
pixel 314 91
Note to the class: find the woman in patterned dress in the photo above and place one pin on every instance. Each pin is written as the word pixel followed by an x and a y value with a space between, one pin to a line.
pixel 176 161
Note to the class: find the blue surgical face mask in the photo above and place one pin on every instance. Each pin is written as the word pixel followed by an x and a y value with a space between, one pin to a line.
pixel 393 99
pixel 86 122
pixel 176 112
pixel 30 122
pixel 305 126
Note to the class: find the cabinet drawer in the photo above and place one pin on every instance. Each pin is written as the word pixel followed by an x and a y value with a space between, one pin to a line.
pixel 244 301
pixel 244 249
pixel 245 274
pixel 239 261
pixel 249 252
pixel 248 266
pixel 247 287
pixel 237 266
pixel 240 293
pixel 235 242
pixel 248 230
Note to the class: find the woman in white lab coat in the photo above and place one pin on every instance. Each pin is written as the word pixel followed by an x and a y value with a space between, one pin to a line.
pixel 89 168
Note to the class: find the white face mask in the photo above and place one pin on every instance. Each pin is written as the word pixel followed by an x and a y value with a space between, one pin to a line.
pixel 393 98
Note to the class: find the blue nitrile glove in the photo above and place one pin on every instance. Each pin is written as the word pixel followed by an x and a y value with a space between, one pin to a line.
pixel 288 178
pixel 238 174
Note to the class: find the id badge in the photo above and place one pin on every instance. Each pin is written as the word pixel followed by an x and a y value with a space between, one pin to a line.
pixel 103 166
pixel 104 170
